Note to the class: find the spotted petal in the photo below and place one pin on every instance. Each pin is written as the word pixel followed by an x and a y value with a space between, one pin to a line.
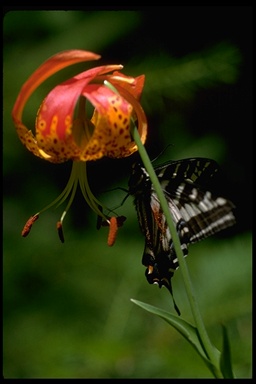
pixel 54 124
pixel 61 136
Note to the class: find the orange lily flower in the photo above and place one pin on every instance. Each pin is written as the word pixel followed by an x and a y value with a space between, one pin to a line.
pixel 61 136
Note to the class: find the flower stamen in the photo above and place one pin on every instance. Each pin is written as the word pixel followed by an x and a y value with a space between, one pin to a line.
pixel 87 193
pixel 78 176
pixel 114 223
pixel 113 228
pixel 27 227
pixel 60 231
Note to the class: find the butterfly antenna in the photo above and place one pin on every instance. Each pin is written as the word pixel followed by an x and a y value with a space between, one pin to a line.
pixel 161 153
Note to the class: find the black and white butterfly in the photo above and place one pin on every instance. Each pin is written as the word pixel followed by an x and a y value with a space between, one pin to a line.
pixel 197 213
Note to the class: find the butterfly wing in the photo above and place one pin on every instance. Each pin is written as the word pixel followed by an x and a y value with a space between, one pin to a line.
pixel 196 212
pixel 185 183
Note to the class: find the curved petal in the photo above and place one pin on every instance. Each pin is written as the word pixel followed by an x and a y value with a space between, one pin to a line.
pixel 111 120
pixel 55 116
pixel 131 84
pixel 111 136
pixel 58 137
pixel 141 120
pixel 48 68
pixel 28 139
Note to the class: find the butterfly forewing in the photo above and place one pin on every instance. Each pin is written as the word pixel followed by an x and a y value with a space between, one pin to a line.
pixel 197 213
pixel 204 213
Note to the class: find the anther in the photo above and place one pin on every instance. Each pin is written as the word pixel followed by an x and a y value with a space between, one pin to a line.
pixel 114 224
pixel 60 231
pixel 28 225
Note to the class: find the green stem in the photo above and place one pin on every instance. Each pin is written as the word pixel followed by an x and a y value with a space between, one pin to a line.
pixel 204 338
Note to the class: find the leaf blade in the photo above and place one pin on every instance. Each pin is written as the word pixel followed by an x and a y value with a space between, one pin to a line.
pixel 187 330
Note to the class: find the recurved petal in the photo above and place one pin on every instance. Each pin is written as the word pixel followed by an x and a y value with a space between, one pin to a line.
pixel 54 123
pixel 111 120
pixel 48 68
pixel 133 85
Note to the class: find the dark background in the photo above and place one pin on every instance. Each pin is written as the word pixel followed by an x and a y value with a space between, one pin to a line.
pixel 67 311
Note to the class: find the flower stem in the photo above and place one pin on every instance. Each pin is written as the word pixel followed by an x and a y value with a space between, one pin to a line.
pixel 210 350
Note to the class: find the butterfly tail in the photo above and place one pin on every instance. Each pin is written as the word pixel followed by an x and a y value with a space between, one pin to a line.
pixel 153 278
pixel 168 285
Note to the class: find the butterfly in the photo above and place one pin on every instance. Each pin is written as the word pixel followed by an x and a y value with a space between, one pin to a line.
pixel 196 211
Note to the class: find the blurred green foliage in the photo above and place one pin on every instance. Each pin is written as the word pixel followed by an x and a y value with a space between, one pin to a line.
pixel 67 308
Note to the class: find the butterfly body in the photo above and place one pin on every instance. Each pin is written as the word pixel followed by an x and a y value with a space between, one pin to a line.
pixel 197 213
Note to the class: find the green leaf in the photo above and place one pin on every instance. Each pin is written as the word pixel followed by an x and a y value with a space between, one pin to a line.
pixel 225 358
pixel 187 330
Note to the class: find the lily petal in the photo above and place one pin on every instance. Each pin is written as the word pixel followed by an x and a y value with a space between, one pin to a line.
pixel 55 117
pixel 59 136
pixel 131 84
pixel 48 68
